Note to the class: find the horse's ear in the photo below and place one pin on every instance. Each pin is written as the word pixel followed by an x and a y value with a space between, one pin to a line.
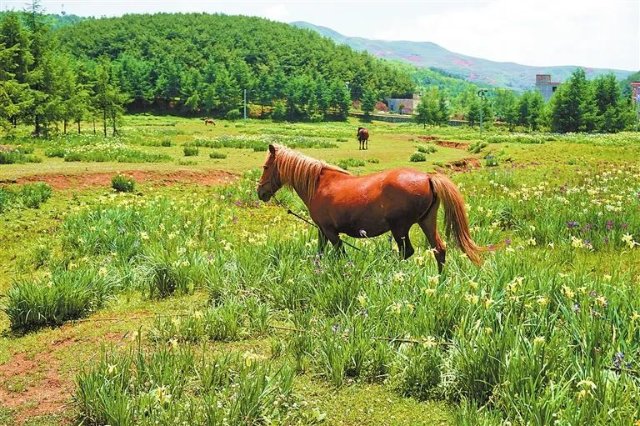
pixel 272 149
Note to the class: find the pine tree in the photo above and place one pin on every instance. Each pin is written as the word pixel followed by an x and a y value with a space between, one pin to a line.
pixel 369 99
pixel 423 113
pixel 573 107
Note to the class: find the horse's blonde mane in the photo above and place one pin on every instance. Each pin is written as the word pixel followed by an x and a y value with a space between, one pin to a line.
pixel 300 171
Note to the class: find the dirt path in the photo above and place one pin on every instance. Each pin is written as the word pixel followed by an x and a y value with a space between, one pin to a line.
pixel 446 144
pixel 87 180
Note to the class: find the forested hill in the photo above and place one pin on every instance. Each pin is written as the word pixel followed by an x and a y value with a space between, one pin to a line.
pixel 482 71
pixel 202 62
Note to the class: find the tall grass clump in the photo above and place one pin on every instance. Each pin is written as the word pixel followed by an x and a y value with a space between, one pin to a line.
pixel 65 295
pixel 350 162
pixel 18 155
pixel 417 157
pixel 426 149
pixel 122 183
pixel 173 385
pixel 30 195
pixel 190 150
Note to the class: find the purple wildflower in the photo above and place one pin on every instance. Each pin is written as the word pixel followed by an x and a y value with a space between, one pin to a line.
pixel 572 224
pixel 609 225
pixel 618 358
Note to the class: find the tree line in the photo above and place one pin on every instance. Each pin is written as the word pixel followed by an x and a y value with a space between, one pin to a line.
pixel 578 105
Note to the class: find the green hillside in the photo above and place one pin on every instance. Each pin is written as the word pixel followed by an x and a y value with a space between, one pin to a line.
pixel 425 54
pixel 204 62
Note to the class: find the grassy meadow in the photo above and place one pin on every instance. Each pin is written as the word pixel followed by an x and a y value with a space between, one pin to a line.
pixel 182 299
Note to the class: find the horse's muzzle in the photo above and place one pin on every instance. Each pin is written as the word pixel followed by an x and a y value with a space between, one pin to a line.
pixel 264 195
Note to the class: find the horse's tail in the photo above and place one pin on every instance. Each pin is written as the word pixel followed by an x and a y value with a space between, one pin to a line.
pixel 455 216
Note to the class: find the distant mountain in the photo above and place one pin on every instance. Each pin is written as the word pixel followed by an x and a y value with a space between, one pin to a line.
pixel 477 70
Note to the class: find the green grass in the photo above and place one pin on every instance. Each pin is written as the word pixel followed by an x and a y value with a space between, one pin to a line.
pixel 546 330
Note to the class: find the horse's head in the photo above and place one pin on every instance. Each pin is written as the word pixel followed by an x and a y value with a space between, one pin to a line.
pixel 270 180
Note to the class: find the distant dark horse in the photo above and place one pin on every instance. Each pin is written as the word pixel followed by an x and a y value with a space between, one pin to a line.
pixel 363 138
pixel 370 205
pixel 209 121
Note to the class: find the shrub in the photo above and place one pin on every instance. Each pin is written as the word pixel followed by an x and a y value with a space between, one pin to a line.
pixel 490 161
pixel 426 149
pixel 55 151
pixel 34 194
pixel 350 162
pixel 476 147
pixel 417 157
pixel 217 155
pixel 17 157
pixel 166 142
pixel 122 183
pixel 233 115
pixel 190 150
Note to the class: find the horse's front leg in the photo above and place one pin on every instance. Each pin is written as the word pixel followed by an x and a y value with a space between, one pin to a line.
pixel 322 241
pixel 333 236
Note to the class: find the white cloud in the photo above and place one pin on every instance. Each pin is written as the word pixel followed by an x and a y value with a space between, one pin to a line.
pixel 277 12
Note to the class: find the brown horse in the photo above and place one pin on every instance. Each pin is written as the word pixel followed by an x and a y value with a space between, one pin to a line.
pixel 363 138
pixel 209 121
pixel 368 206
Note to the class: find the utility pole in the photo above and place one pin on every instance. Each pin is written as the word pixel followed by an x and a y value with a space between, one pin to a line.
pixel 482 94
pixel 245 104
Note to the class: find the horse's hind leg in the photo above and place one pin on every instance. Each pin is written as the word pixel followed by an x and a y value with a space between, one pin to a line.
pixel 430 229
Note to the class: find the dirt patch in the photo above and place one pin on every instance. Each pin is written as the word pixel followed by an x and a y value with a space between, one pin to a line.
pixel 87 180
pixel 6 148
pixel 34 387
pixel 446 144
pixel 464 165
pixel 453 144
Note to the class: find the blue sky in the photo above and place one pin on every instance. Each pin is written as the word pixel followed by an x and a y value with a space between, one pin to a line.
pixel 588 33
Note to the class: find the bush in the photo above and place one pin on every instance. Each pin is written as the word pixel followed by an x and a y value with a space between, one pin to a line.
pixel 56 151
pixel 490 161
pixel 476 147
pixel 350 162
pixel 190 150
pixel 417 157
pixel 17 157
pixel 123 183
pixel 166 142
pixel 217 155
pixel 426 149
pixel 33 195
pixel 233 115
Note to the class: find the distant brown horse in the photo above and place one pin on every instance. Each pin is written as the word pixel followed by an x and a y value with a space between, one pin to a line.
pixel 368 206
pixel 209 121
pixel 363 138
